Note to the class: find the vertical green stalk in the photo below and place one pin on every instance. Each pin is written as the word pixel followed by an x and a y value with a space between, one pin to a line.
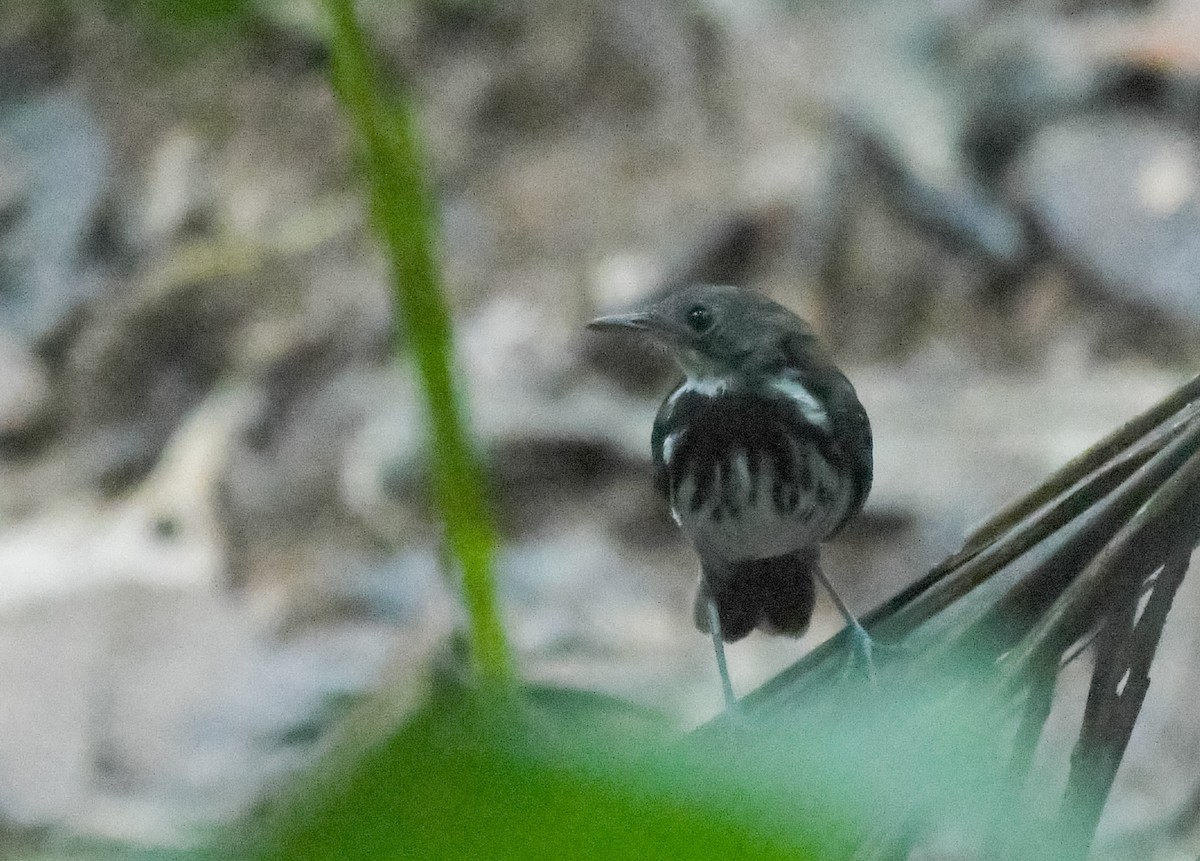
pixel 404 214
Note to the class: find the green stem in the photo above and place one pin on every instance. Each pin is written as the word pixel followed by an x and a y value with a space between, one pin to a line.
pixel 405 216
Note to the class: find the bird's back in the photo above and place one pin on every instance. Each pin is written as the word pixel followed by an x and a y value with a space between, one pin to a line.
pixel 748 474
pixel 757 477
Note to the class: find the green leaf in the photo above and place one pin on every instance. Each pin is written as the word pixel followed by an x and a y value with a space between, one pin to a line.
pixel 465 780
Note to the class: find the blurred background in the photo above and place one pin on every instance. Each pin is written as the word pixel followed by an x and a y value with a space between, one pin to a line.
pixel 215 530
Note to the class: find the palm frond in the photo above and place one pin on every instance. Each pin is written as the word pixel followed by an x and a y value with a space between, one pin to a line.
pixel 1095 553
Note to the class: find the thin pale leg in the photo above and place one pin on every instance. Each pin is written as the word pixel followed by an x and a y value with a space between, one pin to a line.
pixel 860 641
pixel 714 627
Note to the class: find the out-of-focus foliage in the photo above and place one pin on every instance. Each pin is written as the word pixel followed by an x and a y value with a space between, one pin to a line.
pixel 462 780
pixel 571 777
pixel 562 775
pixel 404 215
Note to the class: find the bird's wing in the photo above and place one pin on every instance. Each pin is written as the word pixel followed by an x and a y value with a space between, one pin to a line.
pixel 658 437
pixel 849 429
pixel 852 429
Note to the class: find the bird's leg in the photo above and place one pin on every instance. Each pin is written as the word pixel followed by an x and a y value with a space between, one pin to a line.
pixel 714 627
pixel 861 645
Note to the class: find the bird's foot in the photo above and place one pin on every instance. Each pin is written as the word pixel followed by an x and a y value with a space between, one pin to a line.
pixel 863 653
pixel 860 658
pixel 732 703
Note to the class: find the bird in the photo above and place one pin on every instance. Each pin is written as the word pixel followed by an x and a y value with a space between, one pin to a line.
pixel 763 450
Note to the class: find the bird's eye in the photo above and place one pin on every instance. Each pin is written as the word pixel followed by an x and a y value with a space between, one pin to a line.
pixel 700 319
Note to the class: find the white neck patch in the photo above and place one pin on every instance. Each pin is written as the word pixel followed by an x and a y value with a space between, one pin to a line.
pixel 707 386
pixel 805 401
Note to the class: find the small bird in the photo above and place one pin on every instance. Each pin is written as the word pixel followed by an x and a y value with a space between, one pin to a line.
pixel 763 450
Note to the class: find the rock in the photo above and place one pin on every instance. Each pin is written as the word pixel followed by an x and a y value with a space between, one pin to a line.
pixel 55 145
pixel 944 200
pixel 25 394
pixel 1118 197
pixel 174 196
pixel 163 535
pixel 1018 73
pixel 901 107
pixel 139 367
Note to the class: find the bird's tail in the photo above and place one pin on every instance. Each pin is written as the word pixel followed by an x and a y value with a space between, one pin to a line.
pixel 775 594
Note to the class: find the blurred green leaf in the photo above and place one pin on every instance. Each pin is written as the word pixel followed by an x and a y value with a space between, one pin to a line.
pixel 563 774
pixel 463 780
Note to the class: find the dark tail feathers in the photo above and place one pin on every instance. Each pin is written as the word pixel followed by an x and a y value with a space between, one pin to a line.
pixel 776 595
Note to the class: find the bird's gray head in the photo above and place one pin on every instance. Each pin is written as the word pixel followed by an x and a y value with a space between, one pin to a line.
pixel 714 331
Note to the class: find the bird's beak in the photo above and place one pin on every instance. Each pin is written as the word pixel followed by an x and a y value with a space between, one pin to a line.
pixel 638 321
